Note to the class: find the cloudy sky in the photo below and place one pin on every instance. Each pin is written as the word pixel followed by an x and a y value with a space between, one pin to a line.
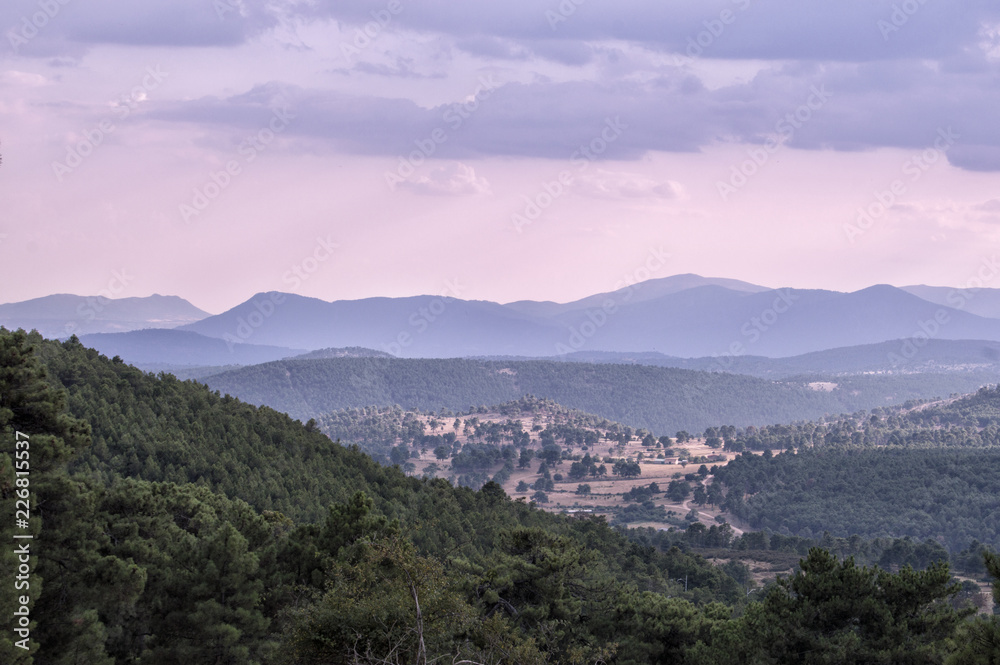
pixel 535 149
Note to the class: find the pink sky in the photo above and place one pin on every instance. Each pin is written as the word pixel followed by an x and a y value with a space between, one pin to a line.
pixel 286 133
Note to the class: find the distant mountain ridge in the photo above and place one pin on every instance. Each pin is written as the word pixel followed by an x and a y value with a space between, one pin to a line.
pixel 63 314
pixel 167 350
pixel 979 301
pixel 663 399
pixel 683 316
pixel 936 355
pixel 348 352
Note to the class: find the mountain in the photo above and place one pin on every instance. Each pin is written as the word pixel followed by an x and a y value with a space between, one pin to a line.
pixel 348 352
pixel 427 326
pixel 183 526
pixel 169 349
pixel 681 317
pixel 62 315
pixel 714 321
pixel 979 301
pixel 685 316
pixel 935 355
pixel 639 292
pixel 661 399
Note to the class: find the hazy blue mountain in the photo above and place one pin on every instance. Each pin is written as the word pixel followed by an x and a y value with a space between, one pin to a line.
pixel 981 301
pixel 714 321
pixel 62 315
pixel 171 349
pixel 684 316
pixel 896 356
pixel 650 289
pixel 347 352
pixel 419 326
pixel 663 399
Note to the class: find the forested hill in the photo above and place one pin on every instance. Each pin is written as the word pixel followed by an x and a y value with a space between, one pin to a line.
pixel 660 399
pixel 926 472
pixel 192 527
pixel 155 539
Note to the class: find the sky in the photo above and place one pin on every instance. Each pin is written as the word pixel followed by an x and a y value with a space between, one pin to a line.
pixel 545 150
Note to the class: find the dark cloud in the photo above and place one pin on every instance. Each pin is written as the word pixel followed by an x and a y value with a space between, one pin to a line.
pixel 891 73
pixel 846 30
pixel 842 107
pixel 488 46
pixel 976 157
pixel 399 68
pixel 65 27
pixel 836 30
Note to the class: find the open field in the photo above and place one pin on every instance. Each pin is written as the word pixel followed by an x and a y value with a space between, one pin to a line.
pixel 606 492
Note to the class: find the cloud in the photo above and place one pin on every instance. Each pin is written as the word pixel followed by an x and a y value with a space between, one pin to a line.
pixel 840 107
pixel 621 184
pixel 849 30
pixel 627 60
pixel 993 205
pixel 68 28
pixel 400 68
pixel 976 157
pixel 846 31
pixel 14 78
pixel 455 179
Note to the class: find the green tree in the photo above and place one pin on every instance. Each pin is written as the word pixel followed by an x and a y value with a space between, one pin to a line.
pixel 979 640
pixel 384 603
pixel 833 611
pixel 37 437
pixel 678 490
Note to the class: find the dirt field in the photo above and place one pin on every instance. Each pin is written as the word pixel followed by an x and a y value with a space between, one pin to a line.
pixel 605 492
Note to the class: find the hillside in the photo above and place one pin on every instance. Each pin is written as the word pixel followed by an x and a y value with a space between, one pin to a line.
pixel 926 472
pixel 169 484
pixel 348 352
pixel 157 535
pixel 891 357
pixel 62 315
pixel 980 301
pixel 656 398
pixel 537 449
pixel 156 349
pixel 414 326
pixel 683 316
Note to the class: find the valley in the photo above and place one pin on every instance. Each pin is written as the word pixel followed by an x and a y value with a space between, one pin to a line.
pixel 337 472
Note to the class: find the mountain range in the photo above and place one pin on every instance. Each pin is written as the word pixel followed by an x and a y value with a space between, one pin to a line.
pixel 62 314
pixel 684 316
